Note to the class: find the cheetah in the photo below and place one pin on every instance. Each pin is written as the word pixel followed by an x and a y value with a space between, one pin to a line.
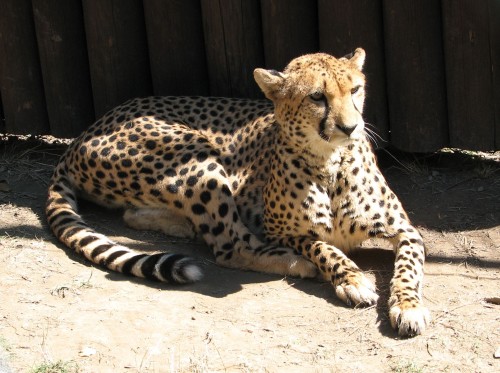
pixel 287 185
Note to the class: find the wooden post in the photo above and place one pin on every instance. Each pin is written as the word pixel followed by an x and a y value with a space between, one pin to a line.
pixel 233 39
pixel 494 16
pixel 415 74
pixel 469 74
pixel 176 47
pixel 2 116
pixel 118 53
pixel 21 84
pixel 64 63
pixel 346 25
pixel 290 29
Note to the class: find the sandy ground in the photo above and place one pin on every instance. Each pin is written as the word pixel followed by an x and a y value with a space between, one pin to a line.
pixel 57 309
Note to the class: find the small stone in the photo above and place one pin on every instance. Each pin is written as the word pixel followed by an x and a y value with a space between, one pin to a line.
pixel 497 353
pixel 87 351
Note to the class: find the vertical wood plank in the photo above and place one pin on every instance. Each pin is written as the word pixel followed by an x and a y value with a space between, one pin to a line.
pixel 469 74
pixel 233 39
pixel 21 84
pixel 346 25
pixel 64 62
pixel 213 31
pixel 290 29
pixel 494 17
pixel 415 74
pixel 118 54
pixel 2 116
pixel 176 47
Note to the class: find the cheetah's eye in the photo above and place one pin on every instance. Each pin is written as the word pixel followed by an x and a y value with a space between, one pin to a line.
pixel 355 89
pixel 317 96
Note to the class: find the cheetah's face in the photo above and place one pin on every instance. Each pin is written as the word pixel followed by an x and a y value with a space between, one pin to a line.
pixel 318 99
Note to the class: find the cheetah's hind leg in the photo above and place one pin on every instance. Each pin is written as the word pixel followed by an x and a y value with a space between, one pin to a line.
pixel 162 220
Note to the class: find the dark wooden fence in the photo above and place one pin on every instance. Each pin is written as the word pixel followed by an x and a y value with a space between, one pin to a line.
pixel 432 66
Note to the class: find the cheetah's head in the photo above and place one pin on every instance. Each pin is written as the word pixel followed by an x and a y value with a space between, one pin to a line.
pixel 318 99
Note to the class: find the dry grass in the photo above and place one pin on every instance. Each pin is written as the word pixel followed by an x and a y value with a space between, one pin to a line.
pixel 56 367
pixel 27 164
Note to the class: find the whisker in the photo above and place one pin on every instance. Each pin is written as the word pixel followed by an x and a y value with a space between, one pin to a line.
pixel 373 135
pixel 402 166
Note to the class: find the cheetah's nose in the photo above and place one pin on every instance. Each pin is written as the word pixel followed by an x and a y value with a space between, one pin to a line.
pixel 347 129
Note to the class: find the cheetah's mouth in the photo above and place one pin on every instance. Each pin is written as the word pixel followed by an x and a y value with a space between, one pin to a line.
pixel 339 132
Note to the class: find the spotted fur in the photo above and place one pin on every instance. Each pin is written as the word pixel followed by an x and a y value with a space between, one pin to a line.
pixel 288 187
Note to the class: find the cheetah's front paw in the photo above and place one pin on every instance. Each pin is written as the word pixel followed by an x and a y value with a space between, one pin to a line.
pixel 409 319
pixel 356 290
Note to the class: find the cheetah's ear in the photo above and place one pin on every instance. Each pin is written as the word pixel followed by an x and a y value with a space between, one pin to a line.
pixel 269 81
pixel 358 58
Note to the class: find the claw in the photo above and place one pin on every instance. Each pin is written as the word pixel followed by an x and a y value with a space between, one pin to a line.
pixel 409 321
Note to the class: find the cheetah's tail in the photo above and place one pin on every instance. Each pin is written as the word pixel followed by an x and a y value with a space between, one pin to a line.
pixel 69 227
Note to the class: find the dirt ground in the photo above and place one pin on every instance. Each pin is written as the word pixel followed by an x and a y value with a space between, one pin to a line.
pixel 59 312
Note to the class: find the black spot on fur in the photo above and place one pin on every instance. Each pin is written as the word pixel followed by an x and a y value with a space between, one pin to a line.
pixel 198 209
